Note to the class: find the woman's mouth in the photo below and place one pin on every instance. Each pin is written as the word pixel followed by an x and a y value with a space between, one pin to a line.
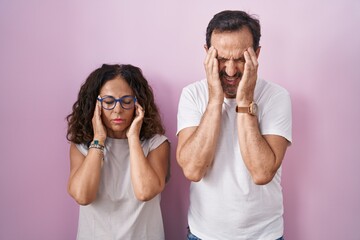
pixel 118 120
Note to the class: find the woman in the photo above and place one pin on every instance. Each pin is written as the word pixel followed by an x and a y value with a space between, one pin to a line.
pixel 119 156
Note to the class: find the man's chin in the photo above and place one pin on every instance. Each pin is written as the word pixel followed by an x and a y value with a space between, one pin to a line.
pixel 230 91
pixel 230 94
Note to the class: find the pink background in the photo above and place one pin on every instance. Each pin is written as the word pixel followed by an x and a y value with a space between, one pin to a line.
pixel 47 49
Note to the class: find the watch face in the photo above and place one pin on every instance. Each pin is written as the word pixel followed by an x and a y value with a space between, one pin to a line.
pixel 253 108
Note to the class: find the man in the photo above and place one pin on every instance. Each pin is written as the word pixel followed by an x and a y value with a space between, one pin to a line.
pixel 233 132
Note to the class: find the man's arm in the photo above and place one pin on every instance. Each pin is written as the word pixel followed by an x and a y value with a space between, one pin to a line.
pixel 262 155
pixel 196 145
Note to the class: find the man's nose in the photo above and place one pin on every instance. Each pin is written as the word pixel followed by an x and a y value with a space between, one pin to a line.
pixel 230 68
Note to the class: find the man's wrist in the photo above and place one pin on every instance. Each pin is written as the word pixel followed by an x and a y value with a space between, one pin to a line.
pixel 250 108
pixel 244 101
pixel 216 102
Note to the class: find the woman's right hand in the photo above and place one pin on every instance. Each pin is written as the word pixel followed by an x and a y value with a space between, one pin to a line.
pixel 98 126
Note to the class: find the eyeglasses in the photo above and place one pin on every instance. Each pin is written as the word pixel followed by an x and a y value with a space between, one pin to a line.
pixel 109 102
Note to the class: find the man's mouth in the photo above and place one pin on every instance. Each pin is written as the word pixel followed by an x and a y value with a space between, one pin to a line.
pixel 230 80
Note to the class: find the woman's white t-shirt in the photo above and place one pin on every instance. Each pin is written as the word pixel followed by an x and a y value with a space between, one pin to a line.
pixel 116 213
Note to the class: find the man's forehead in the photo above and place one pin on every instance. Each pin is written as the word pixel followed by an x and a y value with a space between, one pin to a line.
pixel 232 44
pixel 241 36
pixel 233 53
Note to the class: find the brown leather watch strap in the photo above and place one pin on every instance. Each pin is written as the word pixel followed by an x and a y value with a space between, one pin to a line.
pixel 251 109
pixel 242 109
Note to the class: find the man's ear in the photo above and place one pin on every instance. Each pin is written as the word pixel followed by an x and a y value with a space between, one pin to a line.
pixel 206 48
pixel 258 51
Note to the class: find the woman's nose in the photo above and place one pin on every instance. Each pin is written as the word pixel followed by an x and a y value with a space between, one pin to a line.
pixel 118 107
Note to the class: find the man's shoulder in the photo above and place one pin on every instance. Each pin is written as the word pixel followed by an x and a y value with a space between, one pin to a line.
pixel 196 92
pixel 269 87
pixel 200 85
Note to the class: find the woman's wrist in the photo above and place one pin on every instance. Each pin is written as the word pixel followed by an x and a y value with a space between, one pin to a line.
pixel 133 139
pixel 98 140
pixel 96 144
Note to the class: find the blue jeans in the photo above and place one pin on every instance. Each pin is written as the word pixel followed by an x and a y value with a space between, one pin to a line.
pixel 191 236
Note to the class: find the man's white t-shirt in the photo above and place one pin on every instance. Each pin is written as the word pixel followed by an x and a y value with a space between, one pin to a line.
pixel 226 204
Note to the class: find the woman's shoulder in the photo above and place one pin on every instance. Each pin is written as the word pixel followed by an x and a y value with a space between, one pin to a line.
pixel 82 147
pixel 156 140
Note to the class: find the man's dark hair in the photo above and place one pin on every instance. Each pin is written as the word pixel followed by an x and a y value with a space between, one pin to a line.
pixel 230 21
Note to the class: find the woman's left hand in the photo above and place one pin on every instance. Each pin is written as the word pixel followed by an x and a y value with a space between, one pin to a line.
pixel 135 127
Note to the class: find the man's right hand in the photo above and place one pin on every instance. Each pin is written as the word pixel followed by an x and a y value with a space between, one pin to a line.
pixel 211 65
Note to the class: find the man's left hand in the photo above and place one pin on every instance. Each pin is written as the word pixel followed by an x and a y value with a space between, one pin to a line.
pixel 245 91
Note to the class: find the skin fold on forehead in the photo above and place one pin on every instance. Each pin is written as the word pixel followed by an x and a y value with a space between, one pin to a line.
pixel 231 45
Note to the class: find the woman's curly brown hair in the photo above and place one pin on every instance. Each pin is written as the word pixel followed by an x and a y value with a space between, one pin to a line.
pixel 80 129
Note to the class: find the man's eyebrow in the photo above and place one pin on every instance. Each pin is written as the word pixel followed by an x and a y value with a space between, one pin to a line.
pixel 241 57
pixel 224 58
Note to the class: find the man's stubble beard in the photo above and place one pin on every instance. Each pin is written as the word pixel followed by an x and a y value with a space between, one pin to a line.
pixel 229 90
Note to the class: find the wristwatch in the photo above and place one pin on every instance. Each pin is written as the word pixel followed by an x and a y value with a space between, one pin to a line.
pixel 251 109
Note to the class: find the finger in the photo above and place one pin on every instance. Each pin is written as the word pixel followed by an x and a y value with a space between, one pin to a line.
pixel 98 109
pixel 96 117
pixel 98 106
pixel 139 109
pixel 215 65
pixel 211 61
pixel 248 61
pixel 207 58
pixel 98 101
pixel 253 56
pixel 138 106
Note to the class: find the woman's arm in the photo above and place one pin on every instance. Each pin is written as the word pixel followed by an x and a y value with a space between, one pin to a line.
pixel 148 173
pixel 85 171
pixel 84 174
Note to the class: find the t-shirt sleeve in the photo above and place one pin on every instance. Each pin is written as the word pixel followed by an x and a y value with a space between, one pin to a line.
pixel 189 114
pixel 82 148
pixel 276 118
pixel 156 141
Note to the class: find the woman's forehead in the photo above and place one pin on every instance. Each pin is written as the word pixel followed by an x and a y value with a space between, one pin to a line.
pixel 116 87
